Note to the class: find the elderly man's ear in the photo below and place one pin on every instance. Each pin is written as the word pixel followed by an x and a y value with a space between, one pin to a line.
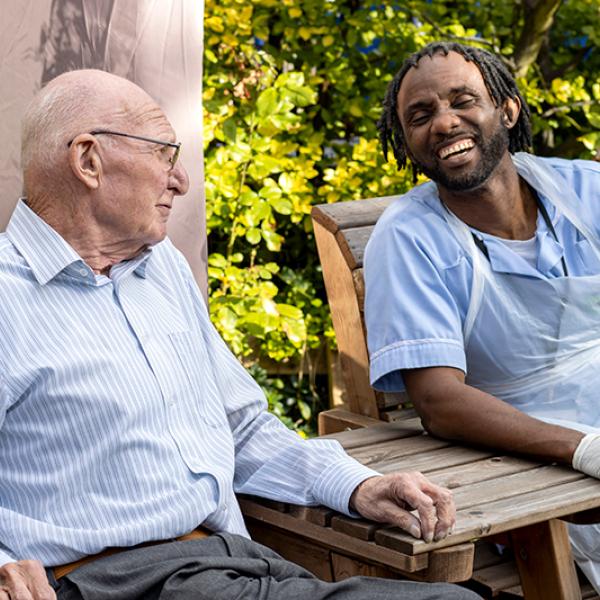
pixel 84 160
pixel 511 110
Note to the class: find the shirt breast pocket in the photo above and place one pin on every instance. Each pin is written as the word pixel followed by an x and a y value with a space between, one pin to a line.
pixel 197 378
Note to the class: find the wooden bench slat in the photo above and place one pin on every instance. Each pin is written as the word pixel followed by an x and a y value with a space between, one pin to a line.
pixel 541 478
pixel 426 461
pixel 352 243
pixel 343 215
pixel 325 536
pixel 483 470
pixel 358 528
pixel 319 515
pixel 384 452
pixel 489 518
pixel 377 433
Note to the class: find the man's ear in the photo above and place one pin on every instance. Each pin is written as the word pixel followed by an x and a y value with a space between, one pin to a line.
pixel 511 109
pixel 85 161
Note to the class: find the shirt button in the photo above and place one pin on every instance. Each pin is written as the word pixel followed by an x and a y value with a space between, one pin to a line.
pixel 83 272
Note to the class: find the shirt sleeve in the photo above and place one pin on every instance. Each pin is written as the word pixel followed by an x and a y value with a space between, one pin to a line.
pixel 413 318
pixel 270 460
pixel 6 558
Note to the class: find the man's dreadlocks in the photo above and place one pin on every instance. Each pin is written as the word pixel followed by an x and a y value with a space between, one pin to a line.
pixel 498 81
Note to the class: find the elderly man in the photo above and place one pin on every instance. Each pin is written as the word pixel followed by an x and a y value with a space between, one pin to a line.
pixel 483 285
pixel 124 420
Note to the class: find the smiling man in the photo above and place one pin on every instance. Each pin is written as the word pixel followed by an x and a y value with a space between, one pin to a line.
pixel 126 425
pixel 483 285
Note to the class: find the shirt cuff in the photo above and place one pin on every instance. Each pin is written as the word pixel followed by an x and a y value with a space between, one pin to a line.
pixel 336 483
pixel 6 558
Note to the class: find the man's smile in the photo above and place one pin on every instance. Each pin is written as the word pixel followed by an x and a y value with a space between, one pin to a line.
pixel 456 148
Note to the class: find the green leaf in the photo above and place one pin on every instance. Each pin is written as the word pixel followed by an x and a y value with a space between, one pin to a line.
pixel 217 260
pixel 253 236
pixel 287 310
pixel 266 104
pixel 273 240
pixel 282 205
pixel 305 410
pixel 230 130
pixel 270 192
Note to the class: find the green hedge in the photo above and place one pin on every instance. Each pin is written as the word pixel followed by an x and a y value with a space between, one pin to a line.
pixel 292 91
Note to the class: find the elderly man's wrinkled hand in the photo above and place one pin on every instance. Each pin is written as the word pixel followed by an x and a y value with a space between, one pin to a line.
pixel 25 580
pixel 390 498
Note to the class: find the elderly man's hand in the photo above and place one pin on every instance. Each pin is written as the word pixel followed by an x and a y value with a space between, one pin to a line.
pixel 389 498
pixel 25 580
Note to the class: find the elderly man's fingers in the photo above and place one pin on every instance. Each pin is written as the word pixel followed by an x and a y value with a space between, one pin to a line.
pixel 25 580
pixel 405 520
pixel 384 499
pixel 444 507
pixel 426 509
pixel 446 514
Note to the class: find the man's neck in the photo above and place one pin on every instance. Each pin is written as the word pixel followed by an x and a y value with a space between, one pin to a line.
pixel 89 241
pixel 504 206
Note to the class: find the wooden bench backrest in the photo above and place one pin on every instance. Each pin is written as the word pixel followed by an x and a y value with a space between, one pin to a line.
pixel 341 232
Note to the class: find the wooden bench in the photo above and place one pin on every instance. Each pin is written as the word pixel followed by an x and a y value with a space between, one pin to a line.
pixel 341 232
pixel 521 500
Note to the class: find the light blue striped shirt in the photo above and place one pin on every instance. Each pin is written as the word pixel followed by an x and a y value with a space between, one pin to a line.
pixel 123 415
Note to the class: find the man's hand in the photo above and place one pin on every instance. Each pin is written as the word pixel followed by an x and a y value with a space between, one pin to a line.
pixel 389 498
pixel 25 580
pixel 587 455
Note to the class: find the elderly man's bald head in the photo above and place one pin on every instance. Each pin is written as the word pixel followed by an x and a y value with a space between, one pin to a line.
pixel 73 103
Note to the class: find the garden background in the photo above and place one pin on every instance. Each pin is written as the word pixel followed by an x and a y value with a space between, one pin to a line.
pixel 292 92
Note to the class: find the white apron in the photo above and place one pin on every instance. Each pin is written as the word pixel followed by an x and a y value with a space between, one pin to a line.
pixel 534 342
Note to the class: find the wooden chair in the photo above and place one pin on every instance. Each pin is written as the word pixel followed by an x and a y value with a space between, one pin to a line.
pixel 342 231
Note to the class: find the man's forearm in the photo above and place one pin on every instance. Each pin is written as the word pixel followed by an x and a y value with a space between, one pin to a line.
pixel 454 410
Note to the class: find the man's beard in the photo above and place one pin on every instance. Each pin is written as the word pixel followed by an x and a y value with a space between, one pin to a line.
pixel 491 152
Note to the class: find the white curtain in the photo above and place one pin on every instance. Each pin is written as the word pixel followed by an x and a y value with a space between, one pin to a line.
pixel 155 43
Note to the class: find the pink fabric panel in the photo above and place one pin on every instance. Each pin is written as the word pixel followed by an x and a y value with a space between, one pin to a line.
pixel 155 43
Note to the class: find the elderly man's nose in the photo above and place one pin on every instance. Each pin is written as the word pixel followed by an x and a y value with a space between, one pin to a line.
pixel 180 181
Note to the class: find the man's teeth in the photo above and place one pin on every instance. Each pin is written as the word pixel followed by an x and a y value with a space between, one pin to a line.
pixel 458 147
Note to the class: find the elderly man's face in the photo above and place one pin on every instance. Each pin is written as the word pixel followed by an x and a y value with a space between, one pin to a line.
pixel 140 181
pixel 454 132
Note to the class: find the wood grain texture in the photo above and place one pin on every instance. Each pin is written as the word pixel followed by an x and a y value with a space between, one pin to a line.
pixel 543 556
pixel 352 243
pixel 347 322
pixel 343 215
pixel 311 556
pixel 333 540
pixel 380 432
pixel 504 515
pixel 337 420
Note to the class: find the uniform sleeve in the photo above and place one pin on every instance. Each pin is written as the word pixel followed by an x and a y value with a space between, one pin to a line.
pixel 413 318
pixel 270 460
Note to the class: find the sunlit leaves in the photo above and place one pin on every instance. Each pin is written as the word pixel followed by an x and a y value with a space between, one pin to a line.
pixel 292 92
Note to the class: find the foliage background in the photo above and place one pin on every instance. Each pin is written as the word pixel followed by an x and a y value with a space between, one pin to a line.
pixel 292 92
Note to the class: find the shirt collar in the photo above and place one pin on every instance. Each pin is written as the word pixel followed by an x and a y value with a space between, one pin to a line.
pixel 47 253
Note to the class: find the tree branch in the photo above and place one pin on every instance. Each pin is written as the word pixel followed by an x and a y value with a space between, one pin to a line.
pixel 539 17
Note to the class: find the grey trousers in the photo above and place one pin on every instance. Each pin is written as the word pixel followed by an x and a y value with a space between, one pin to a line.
pixel 227 567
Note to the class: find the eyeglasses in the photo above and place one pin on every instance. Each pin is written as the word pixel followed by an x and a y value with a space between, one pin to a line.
pixel 176 145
